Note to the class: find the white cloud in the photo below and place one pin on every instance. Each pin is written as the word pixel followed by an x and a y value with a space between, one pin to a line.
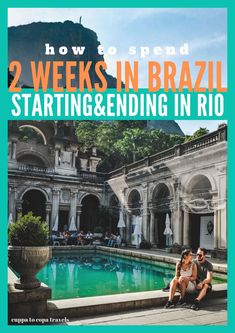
pixel 207 42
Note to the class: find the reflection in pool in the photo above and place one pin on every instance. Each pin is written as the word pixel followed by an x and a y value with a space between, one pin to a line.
pixel 94 274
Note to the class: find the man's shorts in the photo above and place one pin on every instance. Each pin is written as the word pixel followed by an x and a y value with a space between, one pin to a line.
pixel 209 289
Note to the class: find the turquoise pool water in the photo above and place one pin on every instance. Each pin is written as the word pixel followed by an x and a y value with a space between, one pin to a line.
pixel 96 274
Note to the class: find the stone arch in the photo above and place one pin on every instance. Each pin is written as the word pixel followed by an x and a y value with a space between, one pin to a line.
pixel 161 196
pixel 199 210
pixel 89 193
pixel 34 200
pixel 161 204
pixel 32 157
pixel 193 179
pixel 199 187
pixel 90 214
pixel 36 129
pixel 46 127
pixel 134 201
pixel 114 209
pixel 44 192
pixel 134 206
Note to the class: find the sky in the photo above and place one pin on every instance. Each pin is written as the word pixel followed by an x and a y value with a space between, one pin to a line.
pixel 203 29
pixel 191 126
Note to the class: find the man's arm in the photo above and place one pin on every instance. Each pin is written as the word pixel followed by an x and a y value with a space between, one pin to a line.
pixel 208 278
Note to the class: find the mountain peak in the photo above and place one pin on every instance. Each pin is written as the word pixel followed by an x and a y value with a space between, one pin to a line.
pixel 27 43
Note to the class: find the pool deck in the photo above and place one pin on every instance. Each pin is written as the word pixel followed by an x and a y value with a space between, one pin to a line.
pixel 214 312
pixel 97 305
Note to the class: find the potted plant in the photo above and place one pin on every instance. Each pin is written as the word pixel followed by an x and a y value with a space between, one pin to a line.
pixel 28 249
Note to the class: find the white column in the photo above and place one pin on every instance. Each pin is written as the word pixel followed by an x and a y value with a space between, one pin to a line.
pixel 128 228
pixel 13 150
pixel 222 221
pixel 73 204
pixel 48 209
pixel 177 223
pixel 177 220
pixel 56 157
pixel 55 206
pixel 186 229
pixel 216 229
pixel 57 149
pixel 180 214
pixel 152 214
pixel 12 202
pixel 79 211
pixel 19 209
pixel 145 225
pixel 73 158
pixel 156 236
pixel 145 212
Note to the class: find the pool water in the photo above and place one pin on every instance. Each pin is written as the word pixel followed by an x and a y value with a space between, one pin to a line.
pixel 95 274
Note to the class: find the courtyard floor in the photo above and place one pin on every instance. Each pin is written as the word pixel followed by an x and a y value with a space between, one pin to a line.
pixel 213 312
pixel 221 262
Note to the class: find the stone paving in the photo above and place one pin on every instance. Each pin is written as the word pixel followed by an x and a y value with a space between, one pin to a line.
pixel 213 312
pixel 217 261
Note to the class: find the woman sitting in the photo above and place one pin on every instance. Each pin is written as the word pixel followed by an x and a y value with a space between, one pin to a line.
pixel 185 278
pixel 81 238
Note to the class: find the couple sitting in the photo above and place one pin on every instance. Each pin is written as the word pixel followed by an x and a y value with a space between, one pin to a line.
pixel 191 276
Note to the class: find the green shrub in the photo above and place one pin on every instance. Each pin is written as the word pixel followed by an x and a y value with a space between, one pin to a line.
pixel 29 230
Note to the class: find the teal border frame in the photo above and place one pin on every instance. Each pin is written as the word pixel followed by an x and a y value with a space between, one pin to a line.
pixel 4 5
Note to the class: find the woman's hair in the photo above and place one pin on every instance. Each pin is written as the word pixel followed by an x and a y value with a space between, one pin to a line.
pixel 184 254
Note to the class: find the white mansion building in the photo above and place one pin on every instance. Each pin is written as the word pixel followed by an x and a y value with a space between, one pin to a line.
pixel 187 184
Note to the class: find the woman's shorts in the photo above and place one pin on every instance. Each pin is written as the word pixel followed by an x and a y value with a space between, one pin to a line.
pixel 191 287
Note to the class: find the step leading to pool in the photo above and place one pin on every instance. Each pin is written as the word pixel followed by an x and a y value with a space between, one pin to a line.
pixel 91 306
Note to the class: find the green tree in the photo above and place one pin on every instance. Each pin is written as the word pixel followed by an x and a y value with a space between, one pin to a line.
pixel 200 132
pixel 86 133
pixel 107 134
pixel 134 144
pixel 159 141
pixel 123 125
pixel 123 142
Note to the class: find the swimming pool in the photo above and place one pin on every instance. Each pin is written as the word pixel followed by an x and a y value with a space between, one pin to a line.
pixel 94 274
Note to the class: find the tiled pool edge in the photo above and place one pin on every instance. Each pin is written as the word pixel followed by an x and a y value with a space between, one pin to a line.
pixel 153 257
pixel 166 259
pixel 90 306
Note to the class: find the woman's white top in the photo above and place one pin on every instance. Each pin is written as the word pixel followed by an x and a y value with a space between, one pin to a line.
pixel 188 272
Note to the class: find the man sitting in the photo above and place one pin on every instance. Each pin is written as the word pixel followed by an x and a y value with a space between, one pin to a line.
pixel 204 277
pixel 89 237
pixel 112 240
